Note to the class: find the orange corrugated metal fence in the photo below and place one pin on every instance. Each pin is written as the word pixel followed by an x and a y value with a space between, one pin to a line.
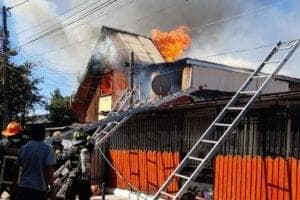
pixel 145 170
pixel 256 178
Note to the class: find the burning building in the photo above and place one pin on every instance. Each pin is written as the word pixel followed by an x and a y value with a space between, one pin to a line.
pixel 106 76
pixel 147 148
pixel 108 73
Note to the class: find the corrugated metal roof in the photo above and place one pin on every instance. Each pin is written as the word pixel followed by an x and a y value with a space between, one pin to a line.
pixel 126 42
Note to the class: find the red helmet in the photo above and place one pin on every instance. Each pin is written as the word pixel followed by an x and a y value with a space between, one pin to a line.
pixel 12 129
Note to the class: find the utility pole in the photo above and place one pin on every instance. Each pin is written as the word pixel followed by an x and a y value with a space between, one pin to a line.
pixel 131 78
pixel 5 110
pixel 131 65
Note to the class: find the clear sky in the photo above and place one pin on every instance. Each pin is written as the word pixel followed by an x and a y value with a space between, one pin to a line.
pixel 217 26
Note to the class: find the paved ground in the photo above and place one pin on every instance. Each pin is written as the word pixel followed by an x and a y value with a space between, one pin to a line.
pixel 5 196
pixel 109 197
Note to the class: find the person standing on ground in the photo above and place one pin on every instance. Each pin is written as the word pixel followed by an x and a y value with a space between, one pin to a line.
pixel 36 160
pixel 13 137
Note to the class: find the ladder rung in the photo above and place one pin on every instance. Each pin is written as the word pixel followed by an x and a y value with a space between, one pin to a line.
pixel 210 141
pixel 248 92
pixel 181 176
pixel 105 132
pixel 285 48
pixel 260 76
pixel 167 194
pixel 229 125
pixel 195 158
pixel 222 124
pixel 235 108
pixel 272 61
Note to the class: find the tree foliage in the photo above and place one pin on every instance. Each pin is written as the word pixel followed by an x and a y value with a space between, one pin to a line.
pixel 59 109
pixel 23 92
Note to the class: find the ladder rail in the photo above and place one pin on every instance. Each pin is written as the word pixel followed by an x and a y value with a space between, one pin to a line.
pixel 128 97
pixel 119 100
pixel 112 131
pixel 100 137
pixel 216 146
pixel 208 130
pixel 287 56
pixel 239 117
pixel 244 85
pixel 124 98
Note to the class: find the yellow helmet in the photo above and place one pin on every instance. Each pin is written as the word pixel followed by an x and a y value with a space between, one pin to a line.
pixel 79 135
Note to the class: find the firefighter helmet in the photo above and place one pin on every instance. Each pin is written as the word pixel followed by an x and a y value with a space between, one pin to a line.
pixel 79 135
pixel 12 129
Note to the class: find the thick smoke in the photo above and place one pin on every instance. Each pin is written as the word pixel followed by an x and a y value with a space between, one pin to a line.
pixel 66 50
pixel 105 54
pixel 210 35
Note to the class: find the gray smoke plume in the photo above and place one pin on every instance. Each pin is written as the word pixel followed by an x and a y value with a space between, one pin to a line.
pixel 214 29
pixel 105 54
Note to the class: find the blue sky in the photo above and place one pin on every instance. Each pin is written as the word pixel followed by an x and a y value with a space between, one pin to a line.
pixel 217 27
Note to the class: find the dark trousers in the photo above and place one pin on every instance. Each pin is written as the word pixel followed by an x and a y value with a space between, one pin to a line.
pixel 80 187
pixel 26 194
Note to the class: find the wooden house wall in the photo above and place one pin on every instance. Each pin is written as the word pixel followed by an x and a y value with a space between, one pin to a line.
pixel 79 108
pixel 91 113
pixel 119 84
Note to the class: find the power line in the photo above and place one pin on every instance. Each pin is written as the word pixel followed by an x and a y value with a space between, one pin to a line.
pixel 60 76
pixel 228 52
pixel 195 28
pixel 37 62
pixel 75 26
pixel 70 87
pixel 81 41
pixel 239 51
pixel 208 24
pixel 75 43
pixel 64 46
pixel 44 22
pixel 66 18
pixel 220 21
pixel 54 29
pixel 64 83
pixel 116 8
pixel 248 12
pixel 17 4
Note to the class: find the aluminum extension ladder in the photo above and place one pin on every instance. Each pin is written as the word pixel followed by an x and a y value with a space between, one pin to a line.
pixel 102 133
pixel 287 49
pixel 121 113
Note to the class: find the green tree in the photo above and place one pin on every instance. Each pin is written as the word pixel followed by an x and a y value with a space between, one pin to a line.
pixel 23 92
pixel 60 112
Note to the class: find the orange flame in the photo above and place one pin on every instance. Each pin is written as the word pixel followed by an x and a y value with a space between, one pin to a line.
pixel 171 44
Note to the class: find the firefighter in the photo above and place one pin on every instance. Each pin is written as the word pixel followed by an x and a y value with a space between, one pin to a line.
pixel 13 137
pixel 78 182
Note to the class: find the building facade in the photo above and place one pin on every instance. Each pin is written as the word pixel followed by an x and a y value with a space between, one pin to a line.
pixel 260 160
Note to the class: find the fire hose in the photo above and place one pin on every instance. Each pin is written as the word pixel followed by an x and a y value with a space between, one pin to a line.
pixel 133 188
